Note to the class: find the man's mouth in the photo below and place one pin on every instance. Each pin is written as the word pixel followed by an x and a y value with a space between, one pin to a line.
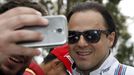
pixel 17 59
pixel 83 53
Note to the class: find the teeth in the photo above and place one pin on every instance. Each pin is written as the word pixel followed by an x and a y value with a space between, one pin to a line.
pixel 83 53
pixel 15 60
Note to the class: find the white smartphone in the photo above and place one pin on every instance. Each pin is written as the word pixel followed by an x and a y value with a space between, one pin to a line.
pixel 54 34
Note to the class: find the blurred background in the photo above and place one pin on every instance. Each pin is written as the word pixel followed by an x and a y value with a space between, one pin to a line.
pixel 123 14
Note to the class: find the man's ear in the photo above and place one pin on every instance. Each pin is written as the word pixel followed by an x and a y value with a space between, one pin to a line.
pixel 111 38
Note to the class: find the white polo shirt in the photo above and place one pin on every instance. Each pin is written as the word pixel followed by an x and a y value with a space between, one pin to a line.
pixel 111 66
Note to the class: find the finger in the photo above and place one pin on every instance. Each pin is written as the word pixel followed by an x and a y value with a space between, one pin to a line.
pixel 20 50
pixel 24 35
pixel 24 20
pixel 19 11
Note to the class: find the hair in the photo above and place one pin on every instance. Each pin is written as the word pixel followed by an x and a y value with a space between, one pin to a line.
pixel 25 3
pixel 50 57
pixel 86 6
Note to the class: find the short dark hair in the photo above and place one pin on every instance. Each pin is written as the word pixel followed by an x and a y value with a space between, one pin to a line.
pixel 25 3
pixel 85 6
pixel 50 57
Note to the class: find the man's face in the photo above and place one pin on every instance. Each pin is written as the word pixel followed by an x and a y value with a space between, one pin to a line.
pixel 14 64
pixel 88 55
pixel 54 67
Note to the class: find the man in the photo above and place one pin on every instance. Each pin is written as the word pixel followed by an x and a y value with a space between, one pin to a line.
pixel 58 62
pixel 11 20
pixel 92 35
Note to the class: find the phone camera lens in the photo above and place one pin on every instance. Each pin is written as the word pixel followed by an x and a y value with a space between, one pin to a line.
pixel 59 30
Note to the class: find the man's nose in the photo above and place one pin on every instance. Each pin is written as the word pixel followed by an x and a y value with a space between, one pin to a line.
pixel 82 42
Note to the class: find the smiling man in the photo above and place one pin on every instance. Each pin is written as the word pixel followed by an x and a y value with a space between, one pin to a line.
pixel 92 35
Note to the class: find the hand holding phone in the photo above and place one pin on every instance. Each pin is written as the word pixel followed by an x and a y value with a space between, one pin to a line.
pixel 54 34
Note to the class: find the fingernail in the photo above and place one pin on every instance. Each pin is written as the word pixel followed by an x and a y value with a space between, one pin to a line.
pixel 39 13
pixel 45 21
pixel 41 36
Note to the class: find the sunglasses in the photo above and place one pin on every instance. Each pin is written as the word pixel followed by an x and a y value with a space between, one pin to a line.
pixel 91 36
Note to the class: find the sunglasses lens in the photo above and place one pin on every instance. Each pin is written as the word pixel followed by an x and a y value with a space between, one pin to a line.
pixel 73 37
pixel 92 36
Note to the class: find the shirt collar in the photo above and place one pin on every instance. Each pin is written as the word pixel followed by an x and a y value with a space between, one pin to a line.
pixel 105 67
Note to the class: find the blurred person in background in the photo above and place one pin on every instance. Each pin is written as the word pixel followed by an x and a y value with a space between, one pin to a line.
pixel 58 62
